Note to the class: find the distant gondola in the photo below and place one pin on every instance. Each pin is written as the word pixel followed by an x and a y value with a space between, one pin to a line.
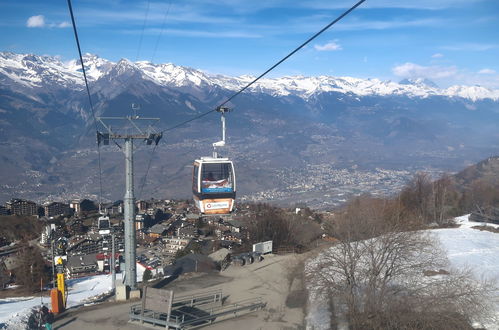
pixel 104 225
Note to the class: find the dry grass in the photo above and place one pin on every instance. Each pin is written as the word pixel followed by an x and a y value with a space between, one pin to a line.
pixel 487 228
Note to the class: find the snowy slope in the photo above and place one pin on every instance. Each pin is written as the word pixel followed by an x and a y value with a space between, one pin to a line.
pixel 38 71
pixel 14 312
pixel 465 247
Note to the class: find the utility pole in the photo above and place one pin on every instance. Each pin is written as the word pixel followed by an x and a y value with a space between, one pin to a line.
pixel 113 265
pixel 150 137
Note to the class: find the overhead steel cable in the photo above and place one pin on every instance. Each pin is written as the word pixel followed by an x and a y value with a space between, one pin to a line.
pixel 163 24
pixel 89 96
pixel 143 29
pixel 144 179
pixel 251 83
pixel 161 31
pixel 271 68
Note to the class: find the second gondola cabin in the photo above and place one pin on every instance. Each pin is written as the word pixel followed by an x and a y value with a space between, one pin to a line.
pixel 214 185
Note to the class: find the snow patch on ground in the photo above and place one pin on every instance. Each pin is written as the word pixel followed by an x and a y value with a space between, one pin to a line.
pixel 466 247
pixel 14 312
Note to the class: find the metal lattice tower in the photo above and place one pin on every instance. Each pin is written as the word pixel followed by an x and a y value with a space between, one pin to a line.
pixel 149 137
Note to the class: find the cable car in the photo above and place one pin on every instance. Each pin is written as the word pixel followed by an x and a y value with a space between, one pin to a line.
pixel 104 225
pixel 214 180
pixel 214 185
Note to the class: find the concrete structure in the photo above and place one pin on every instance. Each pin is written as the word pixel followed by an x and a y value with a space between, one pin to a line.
pixel 121 293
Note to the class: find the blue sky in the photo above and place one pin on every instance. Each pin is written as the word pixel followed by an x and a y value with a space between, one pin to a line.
pixel 447 41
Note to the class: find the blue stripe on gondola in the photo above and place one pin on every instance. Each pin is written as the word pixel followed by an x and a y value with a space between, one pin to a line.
pixel 210 190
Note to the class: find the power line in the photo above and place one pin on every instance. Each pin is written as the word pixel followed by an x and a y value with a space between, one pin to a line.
pixel 271 68
pixel 89 97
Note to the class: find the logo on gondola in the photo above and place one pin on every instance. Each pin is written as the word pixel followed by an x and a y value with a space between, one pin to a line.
pixel 218 205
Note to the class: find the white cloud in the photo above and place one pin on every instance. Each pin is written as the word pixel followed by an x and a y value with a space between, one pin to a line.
pixel 36 21
pixel 487 71
pixel 437 55
pixel 412 70
pixel 447 76
pixel 330 46
pixel 63 25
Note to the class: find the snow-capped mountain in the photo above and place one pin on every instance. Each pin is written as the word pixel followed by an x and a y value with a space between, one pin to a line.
pixel 48 134
pixel 41 71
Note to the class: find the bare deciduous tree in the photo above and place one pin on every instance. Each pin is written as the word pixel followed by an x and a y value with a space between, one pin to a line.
pixel 377 271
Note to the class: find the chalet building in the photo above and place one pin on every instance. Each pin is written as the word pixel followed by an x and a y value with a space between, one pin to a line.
pixel 174 244
pixel 22 207
pixel 93 244
pixel 232 237
pixel 76 206
pixel 81 265
pixel 158 230
pixel 84 246
pixel 4 210
pixel 55 209
pixel 113 208
pixel 143 221
pixel 141 206
pixel 187 231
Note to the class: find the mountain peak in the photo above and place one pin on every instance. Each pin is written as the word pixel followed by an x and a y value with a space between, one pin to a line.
pixel 419 82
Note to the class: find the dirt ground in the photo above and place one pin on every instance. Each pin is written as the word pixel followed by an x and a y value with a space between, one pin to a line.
pixel 277 280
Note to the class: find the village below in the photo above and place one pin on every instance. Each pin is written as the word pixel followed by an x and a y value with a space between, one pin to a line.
pixel 228 258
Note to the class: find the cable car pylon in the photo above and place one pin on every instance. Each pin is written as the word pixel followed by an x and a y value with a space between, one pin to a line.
pixel 150 137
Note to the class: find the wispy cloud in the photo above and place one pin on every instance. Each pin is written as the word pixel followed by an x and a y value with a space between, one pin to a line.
pixel 37 21
pixel 400 4
pixel 437 55
pixel 412 70
pixel 328 47
pixel 390 24
pixel 63 25
pixel 196 33
pixel 135 16
pixel 473 47
pixel 487 71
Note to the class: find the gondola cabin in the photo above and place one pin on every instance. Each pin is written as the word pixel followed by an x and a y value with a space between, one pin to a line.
pixel 104 225
pixel 214 185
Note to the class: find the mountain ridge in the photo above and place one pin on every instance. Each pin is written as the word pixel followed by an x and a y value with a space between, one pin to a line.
pixel 35 68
